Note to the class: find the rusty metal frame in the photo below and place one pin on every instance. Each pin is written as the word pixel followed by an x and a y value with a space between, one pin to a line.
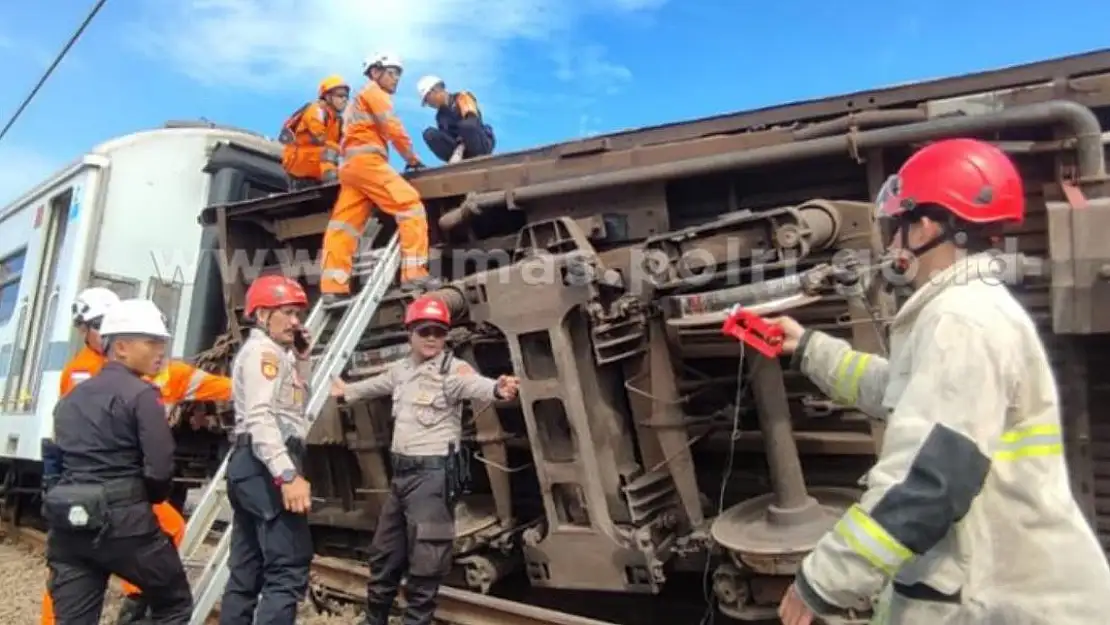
pixel 715 135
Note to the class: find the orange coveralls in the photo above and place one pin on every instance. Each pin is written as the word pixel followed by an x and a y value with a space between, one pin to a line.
pixel 366 179
pixel 313 151
pixel 179 382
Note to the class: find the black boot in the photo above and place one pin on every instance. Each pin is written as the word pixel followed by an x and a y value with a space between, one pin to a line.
pixel 132 611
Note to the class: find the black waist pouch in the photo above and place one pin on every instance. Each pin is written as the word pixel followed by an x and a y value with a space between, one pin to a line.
pixel 76 507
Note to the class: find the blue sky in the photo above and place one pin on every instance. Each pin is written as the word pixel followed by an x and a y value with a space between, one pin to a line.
pixel 544 70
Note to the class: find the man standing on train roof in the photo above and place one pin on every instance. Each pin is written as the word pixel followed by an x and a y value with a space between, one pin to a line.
pixel 311 136
pixel 271 543
pixel 178 382
pixel 459 132
pixel 415 534
pixel 116 450
pixel 366 179
pixel 969 502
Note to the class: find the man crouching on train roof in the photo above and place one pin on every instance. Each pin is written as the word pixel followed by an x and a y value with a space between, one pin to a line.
pixel 116 450
pixel 428 389
pixel 271 544
pixel 969 502
pixel 178 382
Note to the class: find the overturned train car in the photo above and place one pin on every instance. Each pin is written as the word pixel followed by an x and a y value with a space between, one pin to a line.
pixel 596 271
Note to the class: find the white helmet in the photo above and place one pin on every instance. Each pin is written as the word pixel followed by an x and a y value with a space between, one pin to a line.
pixel 382 59
pixel 92 303
pixel 426 84
pixel 134 316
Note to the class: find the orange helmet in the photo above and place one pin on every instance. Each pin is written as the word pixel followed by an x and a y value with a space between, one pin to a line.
pixel 274 292
pixel 334 81
pixel 427 309
pixel 968 178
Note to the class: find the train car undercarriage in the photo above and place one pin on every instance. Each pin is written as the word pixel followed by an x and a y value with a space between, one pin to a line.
pixel 646 444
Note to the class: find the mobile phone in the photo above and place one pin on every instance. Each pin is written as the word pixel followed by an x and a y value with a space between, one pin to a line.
pixel 300 342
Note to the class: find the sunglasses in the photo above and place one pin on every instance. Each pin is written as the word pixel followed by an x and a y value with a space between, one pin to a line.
pixel 429 332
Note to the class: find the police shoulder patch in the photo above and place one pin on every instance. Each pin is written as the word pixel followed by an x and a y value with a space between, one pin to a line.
pixel 270 362
pixel 463 368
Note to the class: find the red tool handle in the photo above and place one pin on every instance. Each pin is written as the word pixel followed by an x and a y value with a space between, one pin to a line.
pixel 754 331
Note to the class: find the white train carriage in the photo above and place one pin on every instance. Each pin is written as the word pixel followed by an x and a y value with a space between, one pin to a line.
pixel 123 216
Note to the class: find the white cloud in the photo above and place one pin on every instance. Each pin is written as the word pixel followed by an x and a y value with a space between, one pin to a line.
pixel 287 45
pixel 588 67
pixel 21 169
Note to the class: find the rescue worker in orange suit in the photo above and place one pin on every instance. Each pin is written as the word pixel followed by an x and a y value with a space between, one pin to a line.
pixel 969 503
pixel 459 132
pixel 415 534
pixel 366 179
pixel 311 137
pixel 178 382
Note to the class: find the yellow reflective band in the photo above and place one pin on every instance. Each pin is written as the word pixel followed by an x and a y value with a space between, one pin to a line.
pixel 849 372
pixel 1032 441
pixel 867 538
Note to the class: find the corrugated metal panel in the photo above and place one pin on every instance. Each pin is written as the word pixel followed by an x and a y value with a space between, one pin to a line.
pixel 1082 368
pixel 1097 351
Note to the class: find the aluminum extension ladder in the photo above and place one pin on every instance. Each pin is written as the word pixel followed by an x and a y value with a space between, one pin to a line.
pixel 377 267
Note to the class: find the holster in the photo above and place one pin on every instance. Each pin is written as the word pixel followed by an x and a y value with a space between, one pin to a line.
pixel 458 472
pixel 85 507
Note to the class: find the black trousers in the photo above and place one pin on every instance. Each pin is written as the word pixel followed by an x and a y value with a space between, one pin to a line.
pixel 80 567
pixel 271 549
pixel 415 535
pixel 477 139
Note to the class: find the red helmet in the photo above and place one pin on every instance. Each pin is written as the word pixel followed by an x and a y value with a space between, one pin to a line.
pixel 971 179
pixel 429 309
pixel 274 292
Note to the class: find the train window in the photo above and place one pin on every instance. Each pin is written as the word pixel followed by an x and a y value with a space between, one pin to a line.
pixel 11 270
pixel 167 296
pixel 125 288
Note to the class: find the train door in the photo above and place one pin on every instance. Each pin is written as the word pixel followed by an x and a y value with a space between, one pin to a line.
pixel 40 304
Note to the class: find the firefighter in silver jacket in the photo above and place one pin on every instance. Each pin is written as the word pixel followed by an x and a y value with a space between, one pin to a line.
pixel 415 534
pixel 271 545
pixel 969 502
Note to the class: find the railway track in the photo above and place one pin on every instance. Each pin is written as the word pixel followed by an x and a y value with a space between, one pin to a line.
pixel 345 581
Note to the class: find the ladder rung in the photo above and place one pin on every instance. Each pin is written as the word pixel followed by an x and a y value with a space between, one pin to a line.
pixel 337 304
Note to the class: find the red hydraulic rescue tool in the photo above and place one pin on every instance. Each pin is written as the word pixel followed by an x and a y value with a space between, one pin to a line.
pixel 754 331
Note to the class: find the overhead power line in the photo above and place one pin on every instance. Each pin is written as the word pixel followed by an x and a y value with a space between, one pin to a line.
pixel 50 70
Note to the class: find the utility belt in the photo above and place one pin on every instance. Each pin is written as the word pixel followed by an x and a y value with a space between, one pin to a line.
pixel 295 446
pixel 455 465
pixel 85 507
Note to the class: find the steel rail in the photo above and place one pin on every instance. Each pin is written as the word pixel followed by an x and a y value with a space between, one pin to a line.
pixel 348 579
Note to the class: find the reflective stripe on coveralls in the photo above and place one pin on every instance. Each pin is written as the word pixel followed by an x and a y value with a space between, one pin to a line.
pixel 871 541
pixel 415 533
pixel 366 179
pixel 314 152
pixel 178 382
pixel 271 548
pixel 970 501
